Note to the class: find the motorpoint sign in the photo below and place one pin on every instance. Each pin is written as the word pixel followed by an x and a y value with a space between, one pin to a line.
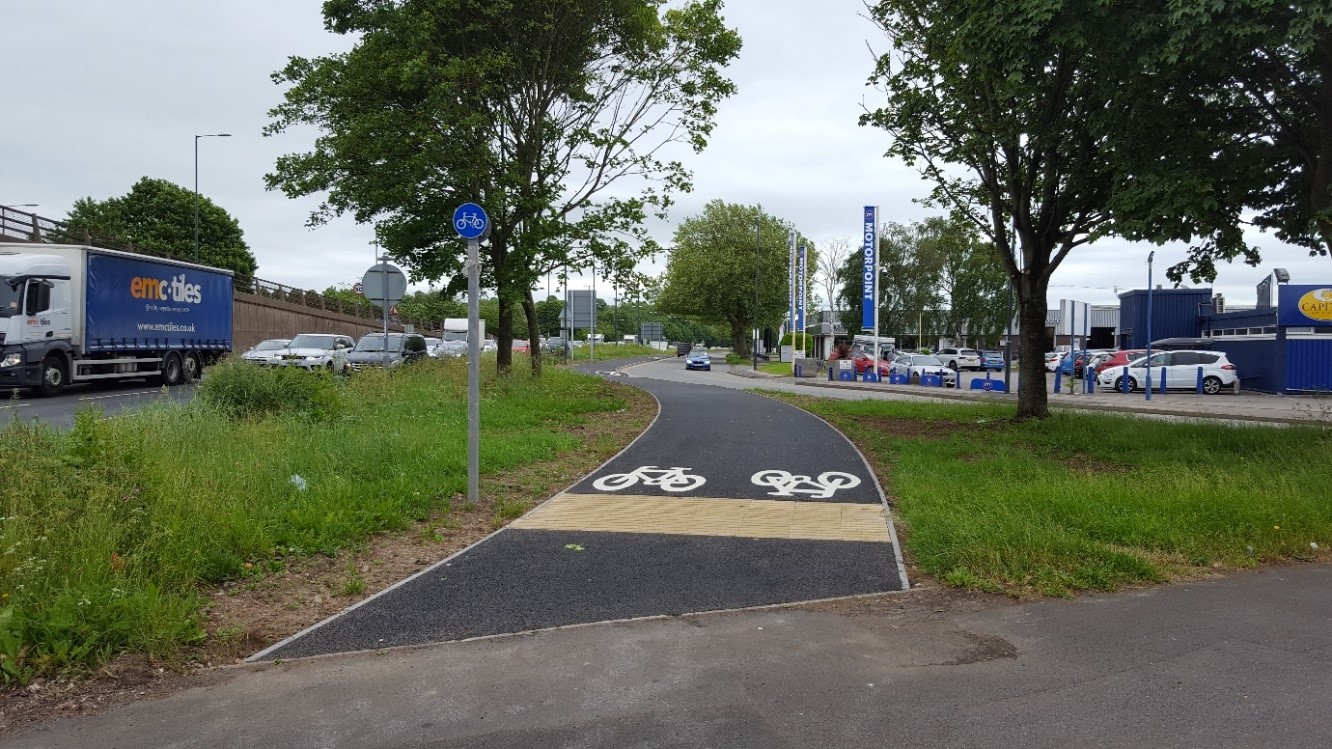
pixel 870 278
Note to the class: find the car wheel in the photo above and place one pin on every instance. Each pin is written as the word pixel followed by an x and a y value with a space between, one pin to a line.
pixel 952 365
pixel 54 376
pixel 1119 384
pixel 1211 385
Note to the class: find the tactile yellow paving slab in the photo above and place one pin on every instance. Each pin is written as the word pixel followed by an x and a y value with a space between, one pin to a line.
pixel 705 516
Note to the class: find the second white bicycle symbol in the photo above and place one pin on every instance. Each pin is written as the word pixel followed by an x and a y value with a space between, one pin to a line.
pixel 789 485
pixel 669 479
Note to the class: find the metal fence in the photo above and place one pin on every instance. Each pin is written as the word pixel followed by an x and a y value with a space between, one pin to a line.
pixel 21 226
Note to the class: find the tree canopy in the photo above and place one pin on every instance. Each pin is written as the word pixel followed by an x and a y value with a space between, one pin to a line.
pixel 531 109
pixel 721 260
pixel 157 217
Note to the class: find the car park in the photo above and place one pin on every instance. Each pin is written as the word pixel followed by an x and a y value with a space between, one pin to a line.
pixel 312 351
pixel 698 359
pixel 392 350
pixel 958 359
pixel 267 352
pixel 1180 369
pixel 992 361
pixel 916 366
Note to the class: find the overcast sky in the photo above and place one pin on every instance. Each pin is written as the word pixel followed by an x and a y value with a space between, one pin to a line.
pixel 98 95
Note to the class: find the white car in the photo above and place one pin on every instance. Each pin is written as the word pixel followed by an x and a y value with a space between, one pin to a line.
pixel 914 366
pixel 1180 370
pixel 432 347
pixel 958 359
pixel 313 351
pixel 267 352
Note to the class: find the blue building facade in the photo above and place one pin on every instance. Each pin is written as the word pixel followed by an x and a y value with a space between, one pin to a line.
pixel 1282 348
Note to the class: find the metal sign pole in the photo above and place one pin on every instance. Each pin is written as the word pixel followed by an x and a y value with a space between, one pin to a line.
pixel 473 370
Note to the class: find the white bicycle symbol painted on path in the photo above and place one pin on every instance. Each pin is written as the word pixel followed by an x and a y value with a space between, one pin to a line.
pixel 789 485
pixel 669 479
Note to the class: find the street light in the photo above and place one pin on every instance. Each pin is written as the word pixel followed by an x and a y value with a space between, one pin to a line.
pixel 757 332
pixel 196 187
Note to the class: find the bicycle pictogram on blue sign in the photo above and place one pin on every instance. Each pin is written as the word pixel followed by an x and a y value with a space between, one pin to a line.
pixel 470 220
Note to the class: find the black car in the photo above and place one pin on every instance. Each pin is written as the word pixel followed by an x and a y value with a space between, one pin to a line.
pixel 395 349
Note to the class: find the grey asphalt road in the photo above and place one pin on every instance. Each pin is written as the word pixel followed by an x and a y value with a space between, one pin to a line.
pixel 1223 664
pixel 110 398
pixel 727 445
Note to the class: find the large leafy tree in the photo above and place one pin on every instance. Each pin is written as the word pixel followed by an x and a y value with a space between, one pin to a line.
pixel 1262 78
pixel 531 109
pixel 1031 119
pixel 724 262
pixel 157 217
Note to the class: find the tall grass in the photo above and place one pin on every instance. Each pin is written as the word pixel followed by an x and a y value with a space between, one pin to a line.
pixel 108 531
pixel 1083 501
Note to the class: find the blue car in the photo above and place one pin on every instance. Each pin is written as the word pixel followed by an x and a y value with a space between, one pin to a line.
pixel 992 360
pixel 698 359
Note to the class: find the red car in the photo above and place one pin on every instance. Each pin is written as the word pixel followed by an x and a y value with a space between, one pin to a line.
pixel 862 362
pixel 1120 359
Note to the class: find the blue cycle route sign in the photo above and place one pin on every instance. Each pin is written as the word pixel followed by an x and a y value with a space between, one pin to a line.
pixel 470 220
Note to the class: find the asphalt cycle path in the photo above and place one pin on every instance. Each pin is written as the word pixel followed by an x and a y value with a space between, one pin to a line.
pixel 728 500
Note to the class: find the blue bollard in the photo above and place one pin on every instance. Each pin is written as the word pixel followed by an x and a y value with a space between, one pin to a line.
pixel 1090 387
pixel 1163 382
pixel 1200 378
pixel 1058 375
pixel 1124 381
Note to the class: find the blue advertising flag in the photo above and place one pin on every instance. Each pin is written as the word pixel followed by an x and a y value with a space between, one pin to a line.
pixel 800 294
pixel 870 286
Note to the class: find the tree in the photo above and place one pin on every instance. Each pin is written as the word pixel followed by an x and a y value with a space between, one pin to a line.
pixel 1023 115
pixel 532 109
pixel 157 216
pixel 832 256
pixel 1262 79
pixel 718 259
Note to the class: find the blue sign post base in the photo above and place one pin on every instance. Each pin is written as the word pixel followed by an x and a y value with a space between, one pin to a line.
pixel 870 376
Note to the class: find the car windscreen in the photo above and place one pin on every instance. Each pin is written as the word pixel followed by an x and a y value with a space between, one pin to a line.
pixel 9 298
pixel 376 343
pixel 271 345
pixel 312 341
pixel 455 335
pixel 926 361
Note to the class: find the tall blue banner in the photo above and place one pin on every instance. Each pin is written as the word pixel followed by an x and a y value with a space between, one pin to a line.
pixel 800 294
pixel 870 279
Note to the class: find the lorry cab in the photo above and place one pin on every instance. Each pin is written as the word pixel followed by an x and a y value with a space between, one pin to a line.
pixel 34 306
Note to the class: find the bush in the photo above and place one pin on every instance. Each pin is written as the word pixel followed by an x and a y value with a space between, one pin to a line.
pixel 242 390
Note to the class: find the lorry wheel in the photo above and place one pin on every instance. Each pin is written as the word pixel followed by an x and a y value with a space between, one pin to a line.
pixel 193 366
pixel 55 374
pixel 173 372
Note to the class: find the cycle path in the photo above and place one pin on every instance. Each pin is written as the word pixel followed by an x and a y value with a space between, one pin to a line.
pixel 728 500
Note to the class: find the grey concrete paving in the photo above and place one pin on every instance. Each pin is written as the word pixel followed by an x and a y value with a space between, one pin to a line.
pixel 1239 662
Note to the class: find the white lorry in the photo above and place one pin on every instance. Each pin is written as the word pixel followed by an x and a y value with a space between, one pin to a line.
pixel 71 313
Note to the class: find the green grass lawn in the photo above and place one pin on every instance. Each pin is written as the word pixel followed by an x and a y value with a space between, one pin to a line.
pixel 1089 501
pixel 777 368
pixel 109 531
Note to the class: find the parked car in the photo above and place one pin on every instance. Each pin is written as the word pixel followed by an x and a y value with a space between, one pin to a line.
pixel 862 362
pixel 914 366
pixel 451 348
pixel 267 352
pixel 395 349
pixel 1052 359
pixel 1076 359
pixel 1181 371
pixel 992 360
pixel 432 347
pixel 312 351
pixel 1118 359
pixel 698 359
pixel 958 359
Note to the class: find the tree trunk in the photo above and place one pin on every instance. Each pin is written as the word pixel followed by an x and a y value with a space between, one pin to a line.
pixel 740 339
pixel 533 332
pixel 504 338
pixel 1033 402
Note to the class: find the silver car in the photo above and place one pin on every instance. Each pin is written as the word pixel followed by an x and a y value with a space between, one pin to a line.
pixel 915 366
pixel 312 351
pixel 268 352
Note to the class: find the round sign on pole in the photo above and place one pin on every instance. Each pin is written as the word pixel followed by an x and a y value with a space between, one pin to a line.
pixel 384 284
pixel 358 289
pixel 470 220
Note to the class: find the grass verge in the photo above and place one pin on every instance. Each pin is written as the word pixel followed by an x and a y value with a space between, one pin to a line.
pixel 109 532
pixel 1087 501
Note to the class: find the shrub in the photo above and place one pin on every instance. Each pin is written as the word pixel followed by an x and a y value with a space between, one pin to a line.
pixel 242 390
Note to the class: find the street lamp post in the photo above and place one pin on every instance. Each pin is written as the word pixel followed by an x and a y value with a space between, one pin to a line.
pixel 758 333
pixel 196 186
